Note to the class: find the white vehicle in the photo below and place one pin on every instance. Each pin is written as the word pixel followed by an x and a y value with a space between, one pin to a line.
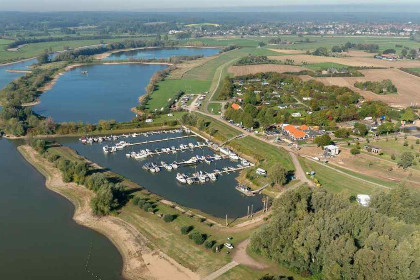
pixel 228 245
pixel 261 171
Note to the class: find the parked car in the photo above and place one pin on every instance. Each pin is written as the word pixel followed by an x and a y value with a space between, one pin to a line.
pixel 229 245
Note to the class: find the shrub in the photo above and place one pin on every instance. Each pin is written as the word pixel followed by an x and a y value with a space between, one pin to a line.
pixel 355 151
pixel 186 229
pixel 198 238
pixel 141 203
pixel 147 206
pixel 393 157
pixel 136 200
pixel 168 218
pixel 209 244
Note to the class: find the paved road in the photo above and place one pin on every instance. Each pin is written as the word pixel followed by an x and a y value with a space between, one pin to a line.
pixel 221 271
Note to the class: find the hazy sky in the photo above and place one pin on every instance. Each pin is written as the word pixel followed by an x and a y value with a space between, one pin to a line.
pixel 140 5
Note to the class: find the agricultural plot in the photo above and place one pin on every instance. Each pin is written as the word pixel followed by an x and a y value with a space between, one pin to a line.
pixel 408 85
pixel 325 65
pixel 299 43
pixel 254 69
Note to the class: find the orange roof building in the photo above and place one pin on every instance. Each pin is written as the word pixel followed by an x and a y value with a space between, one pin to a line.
pixel 294 133
pixel 236 106
pixel 303 127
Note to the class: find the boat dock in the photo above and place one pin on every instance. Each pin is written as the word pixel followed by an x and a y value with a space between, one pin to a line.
pixel 156 141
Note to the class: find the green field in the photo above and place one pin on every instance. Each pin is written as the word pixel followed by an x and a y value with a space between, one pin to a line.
pixel 325 65
pixel 416 70
pixel 336 182
pixel 265 153
pixel 169 88
pixel 214 108
pixel 329 41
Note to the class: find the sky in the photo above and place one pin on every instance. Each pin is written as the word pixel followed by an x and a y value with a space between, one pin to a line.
pixel 148 5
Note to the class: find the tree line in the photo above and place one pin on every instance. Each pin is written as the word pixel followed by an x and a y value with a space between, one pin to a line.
pixel 109 196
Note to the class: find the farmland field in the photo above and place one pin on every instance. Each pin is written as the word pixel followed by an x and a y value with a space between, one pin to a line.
pixel 329 41
pixel 325 65
pixel 253 69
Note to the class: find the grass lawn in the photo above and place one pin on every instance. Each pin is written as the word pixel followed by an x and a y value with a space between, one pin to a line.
pixel 392 147
pixel 417 70
pixel 168 88
pixel 325 65
pixel 265 153
pixel 215 108
pixel 336 182
pixel 223 131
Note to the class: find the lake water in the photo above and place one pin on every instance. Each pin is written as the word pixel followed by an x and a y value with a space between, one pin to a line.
pixel 6 77
pixel 107 92
pixel 38 238
pixel 217 198
pixel 161 53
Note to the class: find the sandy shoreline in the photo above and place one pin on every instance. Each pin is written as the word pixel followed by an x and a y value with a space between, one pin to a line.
pixel 140 261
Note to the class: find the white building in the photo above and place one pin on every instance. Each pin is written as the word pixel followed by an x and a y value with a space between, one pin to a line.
pixel 363 199
pixel 331 150
pixel 261 171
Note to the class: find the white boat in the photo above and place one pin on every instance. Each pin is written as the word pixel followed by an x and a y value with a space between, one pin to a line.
pixel 212 176
pixel 174 165
pixel 181 178
pixel 190 181
pixel 105 149
pixel 217 157
pixel 192 160
pixel 234 157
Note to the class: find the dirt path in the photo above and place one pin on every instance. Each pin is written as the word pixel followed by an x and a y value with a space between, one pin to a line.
pixel 241 256
pixel 221 271
pixel 140 262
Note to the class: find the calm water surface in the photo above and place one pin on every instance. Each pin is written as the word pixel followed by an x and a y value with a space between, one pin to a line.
pixel 6 77
pixel 161 53
pixel 217 198
pixel 107 92
pixel 38 238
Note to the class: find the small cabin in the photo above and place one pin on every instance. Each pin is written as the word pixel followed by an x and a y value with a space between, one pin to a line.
pixel 331 150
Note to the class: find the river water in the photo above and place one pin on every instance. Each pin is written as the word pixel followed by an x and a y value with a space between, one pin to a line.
pixel 38 238
pixel 161 53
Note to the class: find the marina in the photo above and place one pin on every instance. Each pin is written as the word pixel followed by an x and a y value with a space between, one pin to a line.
pixel 185 168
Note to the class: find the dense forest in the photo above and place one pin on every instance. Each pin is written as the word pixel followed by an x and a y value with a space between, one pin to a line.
pixel 329 236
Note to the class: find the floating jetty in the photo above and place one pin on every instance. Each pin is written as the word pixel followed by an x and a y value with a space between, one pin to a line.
pixel 100 139
pixel 168 150
pixel 248 191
